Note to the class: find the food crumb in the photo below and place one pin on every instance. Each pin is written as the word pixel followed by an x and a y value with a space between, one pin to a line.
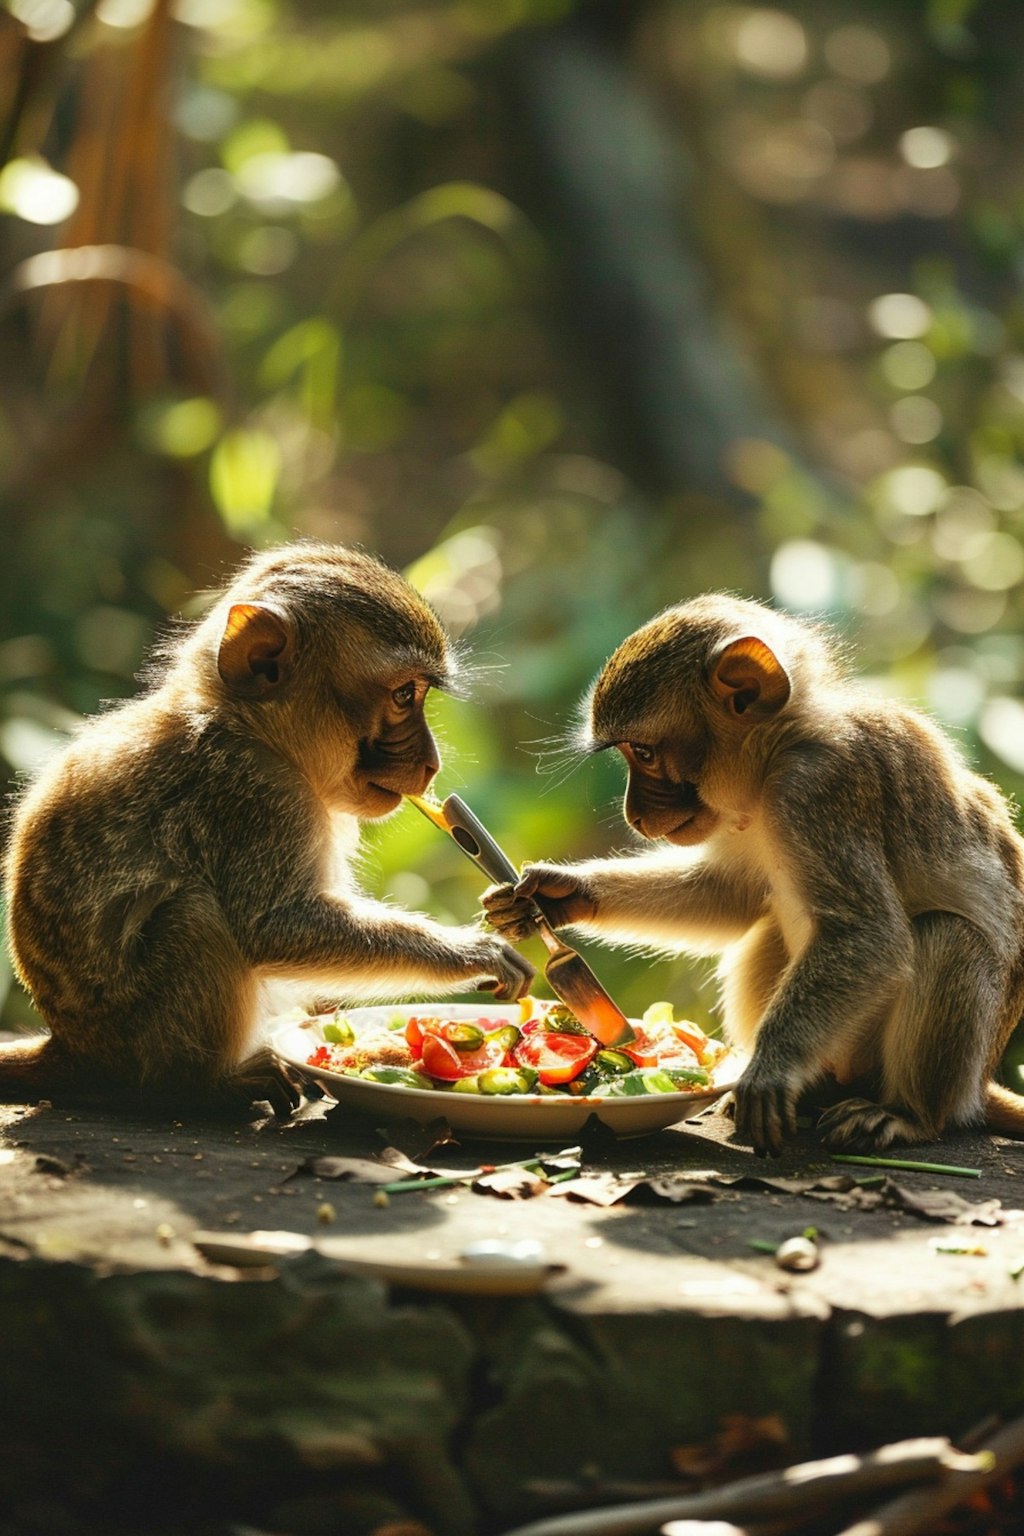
pixel 381 1199
pixel 325 1213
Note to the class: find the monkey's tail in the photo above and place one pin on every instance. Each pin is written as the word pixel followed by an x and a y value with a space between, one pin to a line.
pixel 32 1068
pixel 1004 1110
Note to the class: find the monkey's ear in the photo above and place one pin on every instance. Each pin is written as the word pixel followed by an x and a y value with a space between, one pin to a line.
pixel 749 679
pixel 257 650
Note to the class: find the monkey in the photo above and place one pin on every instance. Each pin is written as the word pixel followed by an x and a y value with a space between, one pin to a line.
pixel 196 841
pixel 861 885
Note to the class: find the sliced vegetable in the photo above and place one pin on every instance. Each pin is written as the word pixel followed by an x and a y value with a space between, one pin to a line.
pixel 508 1080
pixel 557 1020
pixel 403 1075
pixel 464 1037
pixel 612 1063
pixel 338 1031
pixel 442 1059
pixel 644 1049
pixel 660 1017
pixel 648 1080
pixel 547 1052
pixel 507 1036
pixel 557 1058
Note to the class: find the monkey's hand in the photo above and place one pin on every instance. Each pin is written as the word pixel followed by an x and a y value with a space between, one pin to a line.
pixel 262 1077
pixel 497 967
pixel 565 896
pixel 765 1108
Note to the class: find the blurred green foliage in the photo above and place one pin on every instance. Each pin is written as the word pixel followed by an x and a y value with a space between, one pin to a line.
pixel 347 311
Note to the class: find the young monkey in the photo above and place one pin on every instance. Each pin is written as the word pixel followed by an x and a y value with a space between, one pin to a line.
pixel 865 889
pixel 196 840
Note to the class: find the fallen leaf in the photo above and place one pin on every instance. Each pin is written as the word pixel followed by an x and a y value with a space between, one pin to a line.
pixel 511 1183
pixel 758 1444
pixel 942 1205
pixel 362 1170
pixel 417 1140
pixel 599 1188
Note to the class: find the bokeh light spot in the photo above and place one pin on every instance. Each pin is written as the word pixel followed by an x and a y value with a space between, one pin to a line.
pixel 926 148
pixel 899 316
pixel 914 490
pixel 770 43
pixel 1001 727
pixel 909 365
pixel 804 576
pixel 858 53
pixel 33 192
pixel 915 419
pixel 43 20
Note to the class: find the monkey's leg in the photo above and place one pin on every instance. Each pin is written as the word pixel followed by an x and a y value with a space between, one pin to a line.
pixel 934 1045
pixel 178 1014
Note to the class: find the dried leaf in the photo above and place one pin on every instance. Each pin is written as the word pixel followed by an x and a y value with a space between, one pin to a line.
pixel 942 1205
pixel 675 1190
pixel 511 1183
pixel 362 1170
pixel 755 1443
pixel 599 1188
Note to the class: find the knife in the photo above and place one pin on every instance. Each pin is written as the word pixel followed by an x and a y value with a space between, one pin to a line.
pixel 568 974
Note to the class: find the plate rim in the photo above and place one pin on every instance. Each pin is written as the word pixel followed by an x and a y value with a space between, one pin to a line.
pixel 285 1024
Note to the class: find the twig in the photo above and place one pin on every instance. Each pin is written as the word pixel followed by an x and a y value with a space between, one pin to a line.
pixel 919 1509
pixel 903 1162
pixel 796 1489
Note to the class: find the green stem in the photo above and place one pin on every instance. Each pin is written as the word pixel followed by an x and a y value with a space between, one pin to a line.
pixel 900 1162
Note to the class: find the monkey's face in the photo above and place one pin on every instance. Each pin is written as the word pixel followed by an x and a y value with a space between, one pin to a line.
pixel 663 797
pixel 396 755
pixel 678 699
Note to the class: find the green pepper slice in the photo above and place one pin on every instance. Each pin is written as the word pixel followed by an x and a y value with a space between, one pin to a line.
pixel 464 1036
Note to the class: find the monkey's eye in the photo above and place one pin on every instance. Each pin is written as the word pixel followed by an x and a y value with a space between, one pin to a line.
pixel 405 696
pixel 642 753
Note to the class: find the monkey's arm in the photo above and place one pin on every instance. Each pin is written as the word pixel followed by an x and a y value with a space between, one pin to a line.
pixel 368 948
pixel 287 921
pixel 667 899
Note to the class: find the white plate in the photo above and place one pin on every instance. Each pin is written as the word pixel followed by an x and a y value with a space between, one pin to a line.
pixel 516 1117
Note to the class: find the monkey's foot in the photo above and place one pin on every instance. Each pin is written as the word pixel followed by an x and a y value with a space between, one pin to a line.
pixel 261 1078
pixel 861 1125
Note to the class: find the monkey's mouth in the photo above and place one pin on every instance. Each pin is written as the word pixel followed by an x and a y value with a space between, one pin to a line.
pixel 385 789
pixel 689 802
pixel 692 816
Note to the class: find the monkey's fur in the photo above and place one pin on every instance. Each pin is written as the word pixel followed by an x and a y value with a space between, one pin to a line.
pixel 190 843
pixel 864 887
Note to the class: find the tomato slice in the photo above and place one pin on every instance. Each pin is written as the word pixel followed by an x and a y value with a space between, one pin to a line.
pixel 440 1058
pixel 555 1058
pixel 690 1034
pixel 645 1048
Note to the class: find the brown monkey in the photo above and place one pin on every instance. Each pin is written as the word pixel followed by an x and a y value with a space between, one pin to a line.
pixel 864 888
pixel 196 840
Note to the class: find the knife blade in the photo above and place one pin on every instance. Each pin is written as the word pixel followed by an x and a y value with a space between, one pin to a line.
pixel 568 974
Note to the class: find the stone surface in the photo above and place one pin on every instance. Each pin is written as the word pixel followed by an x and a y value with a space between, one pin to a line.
pixel 298 1396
